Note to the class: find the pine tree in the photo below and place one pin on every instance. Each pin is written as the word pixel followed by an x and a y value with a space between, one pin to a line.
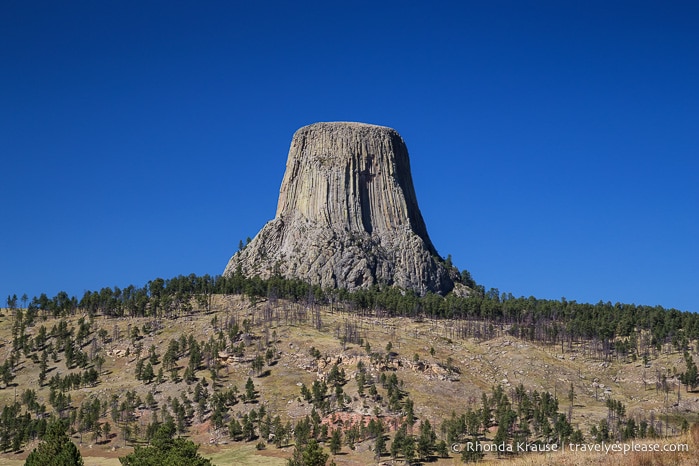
pixel 426 440
pixel 335 441
pixel 379 445
pixel 56 449
pixel 235 430
pixel 43 368
pixel 472 452
pixel 166 450
pixel 689 377
pixel 310 455
pixel 250 393
pixel 408 448
pixel 147 374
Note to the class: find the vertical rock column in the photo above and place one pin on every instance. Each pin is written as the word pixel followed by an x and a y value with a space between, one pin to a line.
pixel 347 215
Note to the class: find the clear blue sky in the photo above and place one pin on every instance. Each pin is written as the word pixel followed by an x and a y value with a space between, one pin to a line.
pixel 554 145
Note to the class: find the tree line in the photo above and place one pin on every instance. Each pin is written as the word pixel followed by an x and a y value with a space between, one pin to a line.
pixel 553 321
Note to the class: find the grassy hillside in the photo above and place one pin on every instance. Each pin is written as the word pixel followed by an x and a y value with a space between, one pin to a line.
pixel 283 348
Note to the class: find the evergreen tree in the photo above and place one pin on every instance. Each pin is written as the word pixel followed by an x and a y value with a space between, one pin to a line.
pixel 56 449
pixel 485 412
pixel 426 440
pixel 335 441
pixel 472 452
pixel 311 455
pixel 380 444
pixel 43 367
pixel 235 430
pixel 250 393
pixel 106 430
pixel 248 427
pixel 690 376
pixel 166 450
pixel 408 448
pixel 258 363
pixel 442 449
pixel 398 439
pixel 147 374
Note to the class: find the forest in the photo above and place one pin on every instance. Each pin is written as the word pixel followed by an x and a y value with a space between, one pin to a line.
pixel 614 326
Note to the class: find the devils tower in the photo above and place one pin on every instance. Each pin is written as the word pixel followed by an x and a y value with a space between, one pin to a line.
pixel 347 215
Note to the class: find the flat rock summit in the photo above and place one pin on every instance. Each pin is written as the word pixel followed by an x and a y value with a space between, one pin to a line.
pixel 347 216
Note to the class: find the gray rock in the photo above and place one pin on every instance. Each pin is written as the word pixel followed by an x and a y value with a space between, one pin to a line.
pixel 347 216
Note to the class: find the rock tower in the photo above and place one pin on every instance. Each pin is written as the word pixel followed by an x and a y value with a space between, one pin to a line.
pixel 347 215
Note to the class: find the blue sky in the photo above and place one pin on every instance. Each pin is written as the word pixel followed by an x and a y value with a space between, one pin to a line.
pixel 553 144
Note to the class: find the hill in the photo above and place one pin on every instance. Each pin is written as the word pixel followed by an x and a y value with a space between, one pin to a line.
pixel 249 377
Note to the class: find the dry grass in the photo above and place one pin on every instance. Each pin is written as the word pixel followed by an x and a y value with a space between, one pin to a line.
pixel 660 458
pixel 245 455
pixel 483 364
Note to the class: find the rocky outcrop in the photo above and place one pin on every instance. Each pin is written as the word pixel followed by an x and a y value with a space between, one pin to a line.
pixel 347 215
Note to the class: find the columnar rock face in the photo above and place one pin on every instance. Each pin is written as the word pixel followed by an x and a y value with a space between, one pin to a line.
pixel 347 215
